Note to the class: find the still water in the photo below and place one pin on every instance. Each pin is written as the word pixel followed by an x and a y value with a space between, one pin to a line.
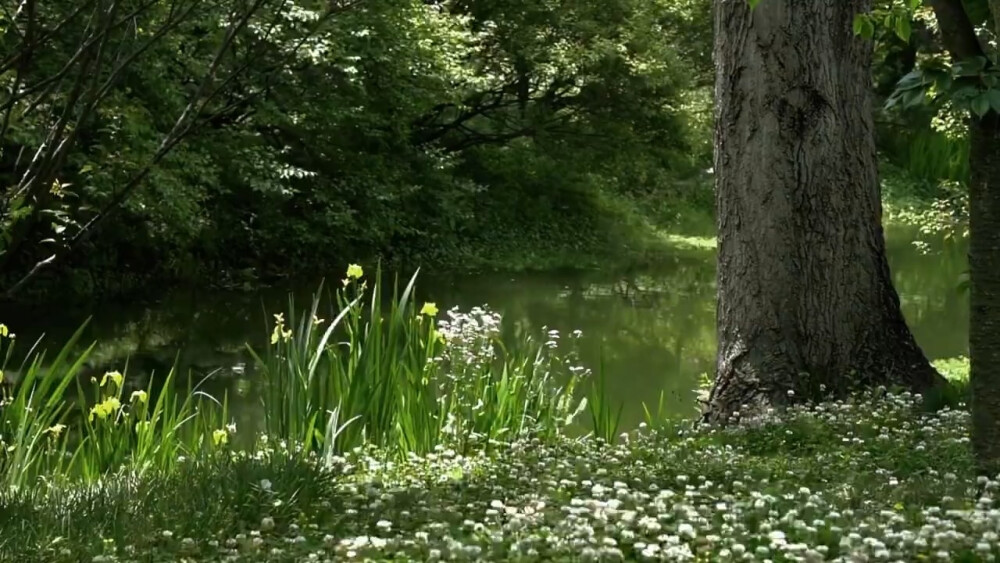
pixel 654 328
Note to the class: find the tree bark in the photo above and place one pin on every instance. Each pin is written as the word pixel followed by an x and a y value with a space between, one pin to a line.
pixel 984 292
pixel 959 36
pixel 806 306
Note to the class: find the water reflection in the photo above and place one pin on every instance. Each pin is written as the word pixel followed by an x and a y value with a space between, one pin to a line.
pixel 654 328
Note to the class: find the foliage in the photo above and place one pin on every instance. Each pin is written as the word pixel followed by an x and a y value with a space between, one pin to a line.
pixel 894 15
pixel 46 431
pixel 74 79
pixel 970 85
pixel 940 209
pixel 384 372
pixel 955 370
pixel 929 154
pixel 923 131
pixel 416 131
pixel 380 373
pixel 870 478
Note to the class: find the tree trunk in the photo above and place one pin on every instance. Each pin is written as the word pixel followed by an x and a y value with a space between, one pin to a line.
pixel 806 306
pixel 984 292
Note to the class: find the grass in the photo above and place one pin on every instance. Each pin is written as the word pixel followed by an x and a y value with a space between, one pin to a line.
pixel 398 431
pixel 876 478
pixel 932 155
pixel 605 419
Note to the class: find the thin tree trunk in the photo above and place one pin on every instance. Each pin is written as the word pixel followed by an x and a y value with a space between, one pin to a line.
pixel 984 292
pixel 806 306
pixel 960 37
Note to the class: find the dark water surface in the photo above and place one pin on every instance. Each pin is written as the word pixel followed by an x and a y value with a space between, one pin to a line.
pixel 655 326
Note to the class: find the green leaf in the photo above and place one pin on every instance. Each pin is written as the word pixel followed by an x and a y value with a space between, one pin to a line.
pixel 942 81
pixel 914 4
pixel 994 97
pixel 912 79
pixel 753 3
pixel 903 28
pixel 981 104
pixel 964 93
pixel 969 67
pixel 869 30
pixel 864 26
pixel 912 98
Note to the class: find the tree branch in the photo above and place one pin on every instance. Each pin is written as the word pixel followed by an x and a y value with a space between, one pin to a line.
pixel 957 31
pixel 182 126
pixel 40 40
pixel 49 82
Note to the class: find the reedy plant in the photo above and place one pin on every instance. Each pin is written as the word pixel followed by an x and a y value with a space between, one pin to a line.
pixel 32 409
pixel 383 373
pixel 351 369
pixel 140 433
pixel 46 432
pixel 603 416
pixel 496 390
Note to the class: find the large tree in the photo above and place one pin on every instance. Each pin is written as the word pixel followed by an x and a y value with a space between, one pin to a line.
pixel 806 306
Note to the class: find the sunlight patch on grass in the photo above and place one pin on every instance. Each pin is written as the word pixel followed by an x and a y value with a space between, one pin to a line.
pixel 687 242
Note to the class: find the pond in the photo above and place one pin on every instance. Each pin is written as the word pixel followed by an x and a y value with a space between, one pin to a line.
pixel 654 328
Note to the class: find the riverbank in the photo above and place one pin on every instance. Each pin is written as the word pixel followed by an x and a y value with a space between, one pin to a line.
pixel 612 232
pixel 652 329
pixel 873 478
pixel 615 233
pixel 432 434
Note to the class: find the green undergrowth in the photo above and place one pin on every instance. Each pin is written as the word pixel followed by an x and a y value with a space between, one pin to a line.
pixel 611 231
pixel 366 364
pixel 605 231
pixel 955 370
pixel 938 208
pixel 874 478
pixel 391 430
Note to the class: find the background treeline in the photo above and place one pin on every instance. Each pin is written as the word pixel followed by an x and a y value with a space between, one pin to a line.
pixel 235 141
